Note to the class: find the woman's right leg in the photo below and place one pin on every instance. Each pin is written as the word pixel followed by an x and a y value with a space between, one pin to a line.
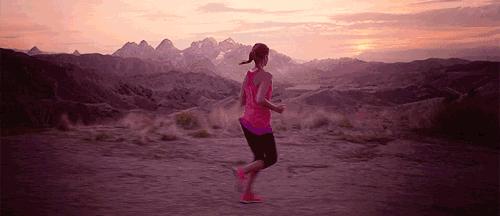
pixel 264 150
pixel 258 163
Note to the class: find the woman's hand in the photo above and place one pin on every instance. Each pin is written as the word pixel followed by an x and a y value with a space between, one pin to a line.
pixel 279 108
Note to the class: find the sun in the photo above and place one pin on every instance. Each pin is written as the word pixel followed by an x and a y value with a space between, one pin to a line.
pixel 362 45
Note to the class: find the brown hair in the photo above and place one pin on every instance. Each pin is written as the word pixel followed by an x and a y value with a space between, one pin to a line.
pixel 258 53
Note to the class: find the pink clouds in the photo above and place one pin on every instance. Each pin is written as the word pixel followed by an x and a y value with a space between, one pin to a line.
pixel 222 7
pixel 301 29
pixel 488 15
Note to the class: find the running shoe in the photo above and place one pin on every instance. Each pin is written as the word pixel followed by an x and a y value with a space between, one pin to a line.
pixel 250 198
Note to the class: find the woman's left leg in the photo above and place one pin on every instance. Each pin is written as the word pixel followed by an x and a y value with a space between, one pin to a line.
pixel 251 178
pixel 254 166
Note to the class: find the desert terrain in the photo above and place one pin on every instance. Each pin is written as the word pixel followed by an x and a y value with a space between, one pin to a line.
pixel 155 132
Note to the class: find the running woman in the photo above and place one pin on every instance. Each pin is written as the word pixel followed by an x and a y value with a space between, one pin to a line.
pixel 255 96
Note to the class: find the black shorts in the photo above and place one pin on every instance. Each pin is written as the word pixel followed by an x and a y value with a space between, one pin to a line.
pixel 263 147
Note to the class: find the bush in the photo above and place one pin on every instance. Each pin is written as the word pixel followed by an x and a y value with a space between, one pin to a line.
pixel 345 123
pixel 187 120
pixel 366 137
pixel 200 134
pixel 320 122
pixel 168 137
pixel 101 136
pixel 315 120
pixel 64 123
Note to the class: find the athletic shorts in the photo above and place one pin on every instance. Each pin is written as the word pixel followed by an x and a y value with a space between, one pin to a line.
pixel 263 146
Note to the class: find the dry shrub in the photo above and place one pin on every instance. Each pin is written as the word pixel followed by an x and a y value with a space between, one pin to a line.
pixel 345 123
pixel 201 134
pixel 309 118
pixel 147 126
pixel 64 123
pixel 316 119
pixel 326 119
pixel 137 120
pixel 187 120
pixel 381 137
pixel 224 118
pixel 169 137
pixel 101 136
pixel 418 115
pixel 170 133
pixel 288 120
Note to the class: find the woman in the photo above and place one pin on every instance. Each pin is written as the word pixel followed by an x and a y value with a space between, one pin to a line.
pixel 255 95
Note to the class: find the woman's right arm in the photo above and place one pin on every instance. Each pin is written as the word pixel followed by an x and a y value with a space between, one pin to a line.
pixel 261 100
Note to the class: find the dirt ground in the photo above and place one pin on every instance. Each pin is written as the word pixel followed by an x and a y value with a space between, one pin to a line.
pixel 317 173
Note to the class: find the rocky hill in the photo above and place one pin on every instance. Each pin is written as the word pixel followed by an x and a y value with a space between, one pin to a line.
pixel 37 90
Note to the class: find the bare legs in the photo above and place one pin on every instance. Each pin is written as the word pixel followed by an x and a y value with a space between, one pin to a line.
pixel 252 169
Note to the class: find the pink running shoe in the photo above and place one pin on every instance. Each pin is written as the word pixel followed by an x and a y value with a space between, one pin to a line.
pixel 240 178
pixel 250 198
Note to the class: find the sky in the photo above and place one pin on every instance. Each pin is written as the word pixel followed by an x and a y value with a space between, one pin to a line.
pixel 305 30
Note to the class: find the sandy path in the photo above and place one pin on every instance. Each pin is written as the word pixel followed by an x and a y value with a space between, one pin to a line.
pixel 56 173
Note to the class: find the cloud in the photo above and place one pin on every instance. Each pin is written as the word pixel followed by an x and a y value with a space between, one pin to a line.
pixel 495 32
pixel 221 7
pixel 77 43
pixel 10 36
pixel 157 15
pixel 23 27
pixel 242 26
pixel 484 16
pixel 472 51
pixel 433 2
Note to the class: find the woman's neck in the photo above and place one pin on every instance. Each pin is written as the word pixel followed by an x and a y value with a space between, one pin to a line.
pixel 256 68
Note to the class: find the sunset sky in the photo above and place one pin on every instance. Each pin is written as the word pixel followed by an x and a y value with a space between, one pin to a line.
pixel 301 29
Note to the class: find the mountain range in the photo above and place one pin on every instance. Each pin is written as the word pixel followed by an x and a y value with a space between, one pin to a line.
pixel 137 76
pixel 206 56
pixel 221 58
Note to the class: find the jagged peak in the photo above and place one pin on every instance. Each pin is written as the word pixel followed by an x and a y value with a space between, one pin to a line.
pixel 130 44
pixel 34 48
pixel 209 39
pixel 229 40
pixel 34 51
pixel 143 43
pixel 76 52
pixel 165 43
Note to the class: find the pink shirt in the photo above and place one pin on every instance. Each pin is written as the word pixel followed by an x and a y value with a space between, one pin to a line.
pixel 256 118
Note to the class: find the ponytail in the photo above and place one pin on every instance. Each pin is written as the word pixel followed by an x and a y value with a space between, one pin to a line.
pixel 250 58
